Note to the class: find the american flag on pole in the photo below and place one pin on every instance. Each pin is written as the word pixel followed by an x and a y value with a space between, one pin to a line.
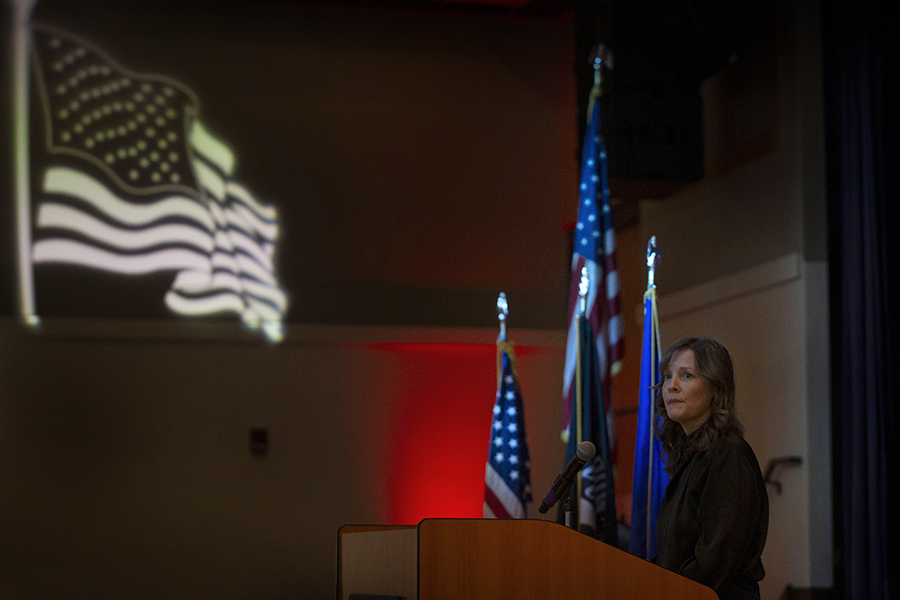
pixel 133 183
pixel 507 477
pixel 595 249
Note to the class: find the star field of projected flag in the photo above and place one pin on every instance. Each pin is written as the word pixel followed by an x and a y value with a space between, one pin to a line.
pixel 133 183
pixel 507 493
pixel 595 249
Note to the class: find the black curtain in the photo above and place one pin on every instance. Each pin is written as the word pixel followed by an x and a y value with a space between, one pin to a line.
pixel 862 101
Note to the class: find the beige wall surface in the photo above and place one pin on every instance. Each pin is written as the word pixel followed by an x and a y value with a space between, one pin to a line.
pixel 763 317
pixel 742 261
pixel 763 195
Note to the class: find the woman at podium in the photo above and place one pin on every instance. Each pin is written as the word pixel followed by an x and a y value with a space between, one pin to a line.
pixel 715 513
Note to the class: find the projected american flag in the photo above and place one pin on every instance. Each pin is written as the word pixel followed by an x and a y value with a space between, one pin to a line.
pixel 134 183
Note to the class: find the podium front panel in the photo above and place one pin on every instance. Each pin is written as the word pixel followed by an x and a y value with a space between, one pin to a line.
pixel 377 561
pixel 490 559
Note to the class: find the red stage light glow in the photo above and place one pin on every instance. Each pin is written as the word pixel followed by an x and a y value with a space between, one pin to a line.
pixel 440 430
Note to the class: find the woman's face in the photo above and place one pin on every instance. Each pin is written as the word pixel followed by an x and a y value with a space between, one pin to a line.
pixel 686 394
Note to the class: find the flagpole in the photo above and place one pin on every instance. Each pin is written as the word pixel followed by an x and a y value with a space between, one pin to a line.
pixel 502 315
pixel 503 344
pixel 601 57
pixel 652 258
pixel 597 57
pixel 20 38
pixel 583 288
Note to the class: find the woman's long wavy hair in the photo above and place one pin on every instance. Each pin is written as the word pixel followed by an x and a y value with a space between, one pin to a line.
pixel 714 365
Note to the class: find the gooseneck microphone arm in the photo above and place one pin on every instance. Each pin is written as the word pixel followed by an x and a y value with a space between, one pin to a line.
pixel 583 452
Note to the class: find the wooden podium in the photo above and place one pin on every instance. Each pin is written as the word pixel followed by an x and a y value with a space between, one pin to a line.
pixel 492 559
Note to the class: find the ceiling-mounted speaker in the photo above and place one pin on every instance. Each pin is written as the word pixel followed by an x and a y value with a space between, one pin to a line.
pixel 653 133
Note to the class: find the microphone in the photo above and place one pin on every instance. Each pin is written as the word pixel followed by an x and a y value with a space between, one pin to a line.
pixel 583 452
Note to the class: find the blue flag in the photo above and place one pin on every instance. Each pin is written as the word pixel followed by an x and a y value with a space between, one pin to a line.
pixel 650 479
pixel 507 477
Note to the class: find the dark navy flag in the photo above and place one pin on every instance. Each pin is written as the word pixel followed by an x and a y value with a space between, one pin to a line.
pixel 132 183
pixel 507 477
pixel 650 480
pixel 595 509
